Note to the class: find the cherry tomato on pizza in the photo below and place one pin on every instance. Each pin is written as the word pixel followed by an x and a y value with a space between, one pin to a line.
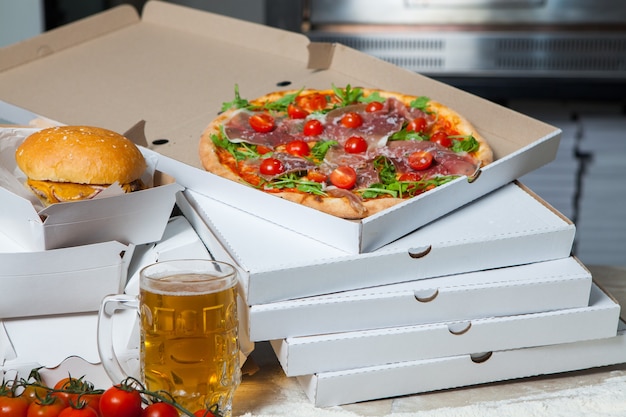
pixel 351 120
pixel 313 127
pixel 355 144
pixel 374 106
pixel 160 409
pixel 298 148
pixel 410 176
pixel 420 160
pixel 312 102
pixel 343 177
pixel 296 112
pixel 203 413
pixel 441 138
pixel 262 122
pixel 417 125
pixel 271 166
pixel 316 176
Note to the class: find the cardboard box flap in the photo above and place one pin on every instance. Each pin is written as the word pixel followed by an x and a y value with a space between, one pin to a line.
pixel 249 35
pixel 67 36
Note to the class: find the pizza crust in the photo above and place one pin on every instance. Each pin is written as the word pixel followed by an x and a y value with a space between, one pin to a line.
pixel 336 206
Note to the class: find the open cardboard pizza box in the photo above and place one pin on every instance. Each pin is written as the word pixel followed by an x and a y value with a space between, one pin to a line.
pixel 175 66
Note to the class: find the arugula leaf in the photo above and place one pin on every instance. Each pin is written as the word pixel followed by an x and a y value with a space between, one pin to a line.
pixel 237 103
pixel 420 103
pixel 318 151
pixel 282 103
pixel 406 135
pixel 348 95
pixel 240 151
pixel 292 180
pixel 386 169
pixel 375 96
pixel 464 143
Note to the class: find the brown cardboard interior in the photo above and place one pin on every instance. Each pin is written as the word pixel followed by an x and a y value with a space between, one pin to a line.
pixel 103 71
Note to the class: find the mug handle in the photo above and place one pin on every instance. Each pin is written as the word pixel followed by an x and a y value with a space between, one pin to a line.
pixel 110 304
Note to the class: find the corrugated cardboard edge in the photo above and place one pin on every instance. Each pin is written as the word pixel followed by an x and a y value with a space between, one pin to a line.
pixel 67 36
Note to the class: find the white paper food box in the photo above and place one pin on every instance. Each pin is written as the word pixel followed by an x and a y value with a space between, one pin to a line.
pixel 133 218
pixel 541 286
pixel 413 377
pixel 351 350
pixel 60 281
pixel 194 59
pixel 510 226
pixel 72 338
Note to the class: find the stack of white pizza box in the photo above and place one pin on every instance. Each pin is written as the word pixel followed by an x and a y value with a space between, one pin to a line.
pixel 486 293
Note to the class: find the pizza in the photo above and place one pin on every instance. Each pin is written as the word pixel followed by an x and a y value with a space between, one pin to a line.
pixel 350 152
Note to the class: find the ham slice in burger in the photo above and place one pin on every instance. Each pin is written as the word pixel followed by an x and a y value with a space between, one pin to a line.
pixel 70 163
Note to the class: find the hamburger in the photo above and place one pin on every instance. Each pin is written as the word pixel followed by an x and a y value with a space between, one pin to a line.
pixel 71 163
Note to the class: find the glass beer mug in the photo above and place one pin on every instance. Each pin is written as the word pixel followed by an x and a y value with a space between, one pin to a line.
pixel 189 343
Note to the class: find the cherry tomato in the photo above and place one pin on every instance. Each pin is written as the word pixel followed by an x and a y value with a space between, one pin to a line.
pixel 34 393
pixel 50 407
pixel 312 102
pixel 351 120
pixel 298 148
pixel 271 166
pixel 316 176
pixel 441 138
pixel 313 127
pixel 78 412
pixel 120 401
pixel 262 150
pixel 13 406
pixel 296 112
pixel 262 122
pixel 204 413
pixel 90 400
pixel 68 389
pixel 416 125
pixel 410 176
pixel 160 410
pixel 343 177
pixel 420 160
pixel 355 144
pixel 374 106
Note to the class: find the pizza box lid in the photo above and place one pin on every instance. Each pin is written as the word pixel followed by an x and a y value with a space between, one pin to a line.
pixel 523 289
pixel 174 67
pixel 327 389
pixel 338 351
pixel 509 226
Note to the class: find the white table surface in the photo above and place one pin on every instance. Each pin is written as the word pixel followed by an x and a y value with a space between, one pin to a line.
pixel 595 392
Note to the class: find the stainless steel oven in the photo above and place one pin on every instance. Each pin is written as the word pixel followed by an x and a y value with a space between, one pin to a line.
pixel 508 48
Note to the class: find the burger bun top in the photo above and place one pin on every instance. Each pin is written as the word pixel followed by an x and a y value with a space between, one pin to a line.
pixel 80 154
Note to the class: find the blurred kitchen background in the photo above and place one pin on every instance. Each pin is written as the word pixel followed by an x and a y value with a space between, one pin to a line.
pixel 560 61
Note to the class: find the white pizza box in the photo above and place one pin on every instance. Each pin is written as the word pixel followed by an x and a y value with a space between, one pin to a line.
pixel 413 377
pixel 175 66
pixel 131 218
pixel 71 339
pixel 510 226
pixel 531 288
pixel 357 349
pixel 60 281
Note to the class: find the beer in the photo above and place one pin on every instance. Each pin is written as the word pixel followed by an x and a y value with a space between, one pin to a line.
pixel 189 344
